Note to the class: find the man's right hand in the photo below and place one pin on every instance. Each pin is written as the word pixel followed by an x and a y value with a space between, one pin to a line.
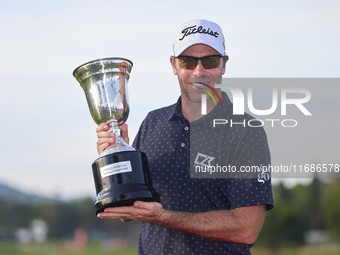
pixel 107 139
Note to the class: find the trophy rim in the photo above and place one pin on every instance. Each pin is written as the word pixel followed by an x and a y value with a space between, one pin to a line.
pixel 100 59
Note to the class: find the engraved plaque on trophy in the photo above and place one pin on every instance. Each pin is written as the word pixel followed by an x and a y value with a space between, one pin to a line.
pixel 121 174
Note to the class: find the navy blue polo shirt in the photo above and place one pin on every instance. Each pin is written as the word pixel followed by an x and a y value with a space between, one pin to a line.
pixel 165 137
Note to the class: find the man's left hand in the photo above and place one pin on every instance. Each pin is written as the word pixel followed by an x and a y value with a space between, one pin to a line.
pixel 140 211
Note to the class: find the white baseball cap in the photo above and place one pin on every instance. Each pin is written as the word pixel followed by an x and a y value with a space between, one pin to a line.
pixel 199 31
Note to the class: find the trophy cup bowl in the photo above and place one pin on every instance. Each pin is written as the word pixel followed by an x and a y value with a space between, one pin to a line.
pixel 121 174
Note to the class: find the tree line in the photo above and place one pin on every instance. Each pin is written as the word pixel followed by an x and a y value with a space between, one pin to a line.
pixel 299 210
pixel 296 211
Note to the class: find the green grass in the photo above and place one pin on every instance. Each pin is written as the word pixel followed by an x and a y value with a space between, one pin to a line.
pixel 305 250
pixel 60 247
pixel 65 247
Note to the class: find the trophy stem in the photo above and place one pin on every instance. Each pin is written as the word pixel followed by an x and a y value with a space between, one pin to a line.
pixel 121 144
pixel 114 127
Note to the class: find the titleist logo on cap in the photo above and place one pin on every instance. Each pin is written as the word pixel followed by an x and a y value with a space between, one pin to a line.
pixel 193 30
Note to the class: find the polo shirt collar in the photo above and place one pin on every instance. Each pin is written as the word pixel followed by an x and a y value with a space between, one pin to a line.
pixel 176 111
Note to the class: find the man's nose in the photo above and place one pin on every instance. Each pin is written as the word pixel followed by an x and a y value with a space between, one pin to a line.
pixel 199 70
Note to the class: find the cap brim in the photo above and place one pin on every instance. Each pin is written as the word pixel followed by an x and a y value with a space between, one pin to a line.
pixel 180 50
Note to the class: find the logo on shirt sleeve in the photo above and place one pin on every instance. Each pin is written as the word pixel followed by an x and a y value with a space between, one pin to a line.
pixel 263 176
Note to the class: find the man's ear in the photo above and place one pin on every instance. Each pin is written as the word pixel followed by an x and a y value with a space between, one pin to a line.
pixel 172 61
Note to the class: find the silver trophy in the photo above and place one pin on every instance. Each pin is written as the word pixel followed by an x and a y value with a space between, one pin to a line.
pixel 121 174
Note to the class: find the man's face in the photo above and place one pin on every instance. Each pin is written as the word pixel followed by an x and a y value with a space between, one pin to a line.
pixel 189 90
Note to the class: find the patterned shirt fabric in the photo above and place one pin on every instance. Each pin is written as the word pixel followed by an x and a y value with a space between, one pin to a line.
pixel 166 136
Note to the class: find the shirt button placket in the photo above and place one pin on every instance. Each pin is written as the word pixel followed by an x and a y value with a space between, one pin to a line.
pixel 186 128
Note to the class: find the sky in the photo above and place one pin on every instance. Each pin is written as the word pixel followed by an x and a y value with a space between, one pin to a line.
pixel 47 136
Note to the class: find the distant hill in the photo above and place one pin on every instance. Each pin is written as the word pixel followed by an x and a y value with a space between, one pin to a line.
pixel 15 195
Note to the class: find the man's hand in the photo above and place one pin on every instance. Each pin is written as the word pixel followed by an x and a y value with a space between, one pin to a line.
pixel 140 211
pixel 107 139
pixel 239 225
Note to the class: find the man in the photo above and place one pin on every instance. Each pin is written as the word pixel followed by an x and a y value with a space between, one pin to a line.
pixel 196 216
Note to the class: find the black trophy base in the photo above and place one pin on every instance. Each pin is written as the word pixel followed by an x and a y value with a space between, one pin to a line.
pixel 121 179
